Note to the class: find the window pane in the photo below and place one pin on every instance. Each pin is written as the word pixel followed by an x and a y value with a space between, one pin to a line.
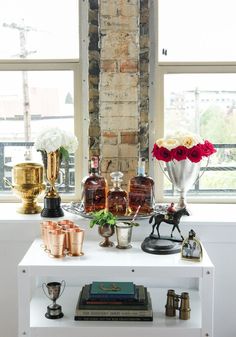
pixel 206 104
pixel 197 30
pixel 36 29
pixel 47 100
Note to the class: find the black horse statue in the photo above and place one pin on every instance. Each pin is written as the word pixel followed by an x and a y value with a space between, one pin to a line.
pixel 172 219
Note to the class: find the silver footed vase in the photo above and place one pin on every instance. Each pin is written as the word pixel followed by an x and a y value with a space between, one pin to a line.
pixel 183 175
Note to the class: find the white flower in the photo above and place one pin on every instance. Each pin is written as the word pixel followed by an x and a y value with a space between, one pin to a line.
pixel 71 142
pixel 53 139
pixel 160 142
pixel 171 143
pixel 179 138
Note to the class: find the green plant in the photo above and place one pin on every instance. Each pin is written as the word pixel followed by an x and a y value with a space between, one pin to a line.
pixel 102 218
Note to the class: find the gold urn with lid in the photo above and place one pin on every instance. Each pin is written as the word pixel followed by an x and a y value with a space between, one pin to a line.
pixel 27 183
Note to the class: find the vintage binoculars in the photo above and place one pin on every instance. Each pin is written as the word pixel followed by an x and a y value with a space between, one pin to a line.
pixel 172 304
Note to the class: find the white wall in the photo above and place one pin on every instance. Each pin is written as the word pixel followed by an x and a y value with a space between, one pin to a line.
pixel 215 225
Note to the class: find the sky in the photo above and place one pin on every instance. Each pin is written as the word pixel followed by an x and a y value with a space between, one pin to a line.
pixel 54 25
pixel 197 30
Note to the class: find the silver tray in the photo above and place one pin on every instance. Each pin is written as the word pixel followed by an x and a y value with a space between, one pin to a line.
pixel 78 209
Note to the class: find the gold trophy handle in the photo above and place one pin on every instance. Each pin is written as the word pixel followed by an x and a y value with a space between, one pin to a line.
pixel 61 177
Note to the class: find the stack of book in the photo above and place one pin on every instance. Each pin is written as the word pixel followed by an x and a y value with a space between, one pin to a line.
pixel 114 301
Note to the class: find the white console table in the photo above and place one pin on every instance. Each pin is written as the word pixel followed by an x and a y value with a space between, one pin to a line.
pixel 159 273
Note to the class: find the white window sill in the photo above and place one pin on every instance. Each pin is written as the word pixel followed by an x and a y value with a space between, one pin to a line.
pixel 200 213
pixel 212 222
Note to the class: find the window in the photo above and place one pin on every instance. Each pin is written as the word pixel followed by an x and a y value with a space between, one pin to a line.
pixel 196 30
pixel 39 81
pixel 194 88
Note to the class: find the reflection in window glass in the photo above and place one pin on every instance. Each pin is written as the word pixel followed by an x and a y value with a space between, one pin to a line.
pixel 205 104
pixel 47 100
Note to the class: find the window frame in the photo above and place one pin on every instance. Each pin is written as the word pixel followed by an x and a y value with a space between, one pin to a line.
pixel 156 121
pixel 78 66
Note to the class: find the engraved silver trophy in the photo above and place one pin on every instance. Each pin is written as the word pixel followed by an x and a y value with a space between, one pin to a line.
pixel 54 291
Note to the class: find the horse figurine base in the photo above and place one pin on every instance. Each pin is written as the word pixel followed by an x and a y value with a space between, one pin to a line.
pixel 164 245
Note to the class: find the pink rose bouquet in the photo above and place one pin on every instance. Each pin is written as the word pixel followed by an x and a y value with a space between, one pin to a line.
pixel 182 145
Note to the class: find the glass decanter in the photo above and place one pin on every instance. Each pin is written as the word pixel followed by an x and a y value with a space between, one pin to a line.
pixel 117 197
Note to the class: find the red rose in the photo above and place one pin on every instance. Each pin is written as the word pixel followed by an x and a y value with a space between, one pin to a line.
pixel 179 153
pixel 164 154
pixel 156 152
pixel 161 153
pixel 207 148
pixel 195 154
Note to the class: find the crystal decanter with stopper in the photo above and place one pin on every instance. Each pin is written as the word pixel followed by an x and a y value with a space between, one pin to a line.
pixel 117 197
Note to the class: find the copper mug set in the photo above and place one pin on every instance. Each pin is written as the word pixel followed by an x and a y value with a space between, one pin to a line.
pixel 62 238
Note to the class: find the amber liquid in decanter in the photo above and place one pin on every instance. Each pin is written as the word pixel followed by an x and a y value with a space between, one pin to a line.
pixel 117 197
pixel 94 189
pixel 141 191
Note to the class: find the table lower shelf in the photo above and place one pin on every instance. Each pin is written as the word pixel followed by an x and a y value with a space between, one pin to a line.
pixel 161 326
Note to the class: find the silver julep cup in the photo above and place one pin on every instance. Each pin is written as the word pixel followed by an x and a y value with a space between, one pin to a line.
pixel 123 235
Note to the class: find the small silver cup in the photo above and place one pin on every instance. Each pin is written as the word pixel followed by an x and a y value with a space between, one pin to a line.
pixel 55 290
pixel 123 235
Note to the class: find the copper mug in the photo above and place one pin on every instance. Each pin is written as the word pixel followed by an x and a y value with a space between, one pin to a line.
pixel 56 243
pixel 76 239
pixel 66 225
pixel 45 228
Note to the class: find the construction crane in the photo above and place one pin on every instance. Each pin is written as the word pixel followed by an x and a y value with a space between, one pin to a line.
pixel 23 29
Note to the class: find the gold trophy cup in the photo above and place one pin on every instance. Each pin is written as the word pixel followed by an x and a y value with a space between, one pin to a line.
pixel 27 183
pixel 52 201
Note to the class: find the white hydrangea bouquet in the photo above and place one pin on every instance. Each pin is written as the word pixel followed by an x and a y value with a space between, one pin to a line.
pixel 53 139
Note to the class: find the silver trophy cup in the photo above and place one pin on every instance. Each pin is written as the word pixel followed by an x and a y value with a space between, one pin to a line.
pixel 54 291
pixel 183 175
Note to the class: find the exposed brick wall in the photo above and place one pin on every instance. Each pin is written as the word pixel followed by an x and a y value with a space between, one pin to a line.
pixel 144 78
pixel 94 73
pixel 118 78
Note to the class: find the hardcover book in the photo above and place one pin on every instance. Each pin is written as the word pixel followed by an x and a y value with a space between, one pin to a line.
pixel 121 315
pixel 113 305
pixel 140 296
pixel 112 289
pixel 125 318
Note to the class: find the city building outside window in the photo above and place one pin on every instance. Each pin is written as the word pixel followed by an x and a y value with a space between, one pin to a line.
pixel 193 88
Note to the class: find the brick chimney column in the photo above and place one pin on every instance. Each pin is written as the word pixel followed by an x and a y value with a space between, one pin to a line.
pixel 119 88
